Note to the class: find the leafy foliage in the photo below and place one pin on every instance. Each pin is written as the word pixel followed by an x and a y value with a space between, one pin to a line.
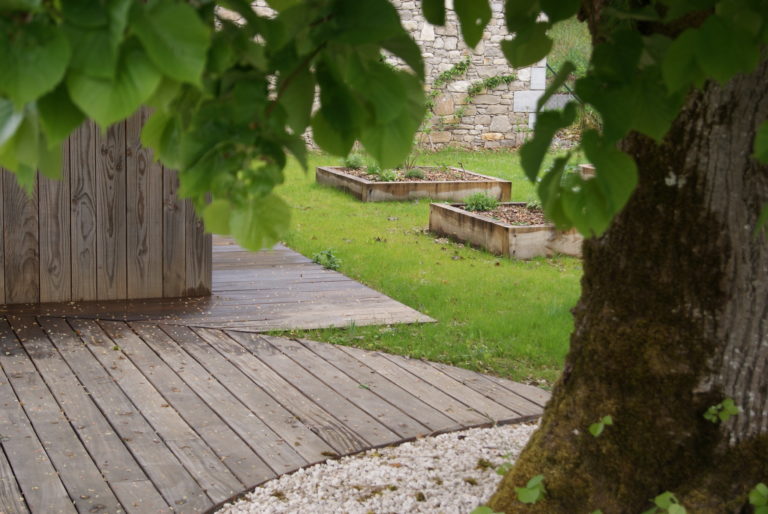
pixel 414 173
pixel 598 427
pixel 327 259
pixel 480 202
pixel 533 491
pixel 232 99
pixel 758 498
pixel 722 412
pixel 666 502
pixel 354 161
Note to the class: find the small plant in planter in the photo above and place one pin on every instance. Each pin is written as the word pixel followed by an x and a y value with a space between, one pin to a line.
pixel 414 173
pixel 354 161
pixel 480 202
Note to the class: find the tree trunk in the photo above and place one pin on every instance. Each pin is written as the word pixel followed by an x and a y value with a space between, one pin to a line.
pixel 673 319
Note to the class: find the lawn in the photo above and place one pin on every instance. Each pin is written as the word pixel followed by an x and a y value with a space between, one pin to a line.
pixel 494 315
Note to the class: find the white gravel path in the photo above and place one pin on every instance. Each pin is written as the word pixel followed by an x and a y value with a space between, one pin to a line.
pixel 449 473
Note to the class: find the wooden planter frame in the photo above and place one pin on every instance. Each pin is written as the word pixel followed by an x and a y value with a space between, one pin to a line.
pixel 514 241
pixel 453 190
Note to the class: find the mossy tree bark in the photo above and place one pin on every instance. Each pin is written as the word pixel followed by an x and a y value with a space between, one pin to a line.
pixel 673 318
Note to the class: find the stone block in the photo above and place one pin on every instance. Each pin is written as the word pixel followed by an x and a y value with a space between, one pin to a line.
pixel 525 101
pixel 483 119
pixel 487 100
pixel 460 86
pixel 427 33
pixel 440 137
pixel 500 124
pixel 496 109
pixel 523 74
pixel 539 78
pixel 492 136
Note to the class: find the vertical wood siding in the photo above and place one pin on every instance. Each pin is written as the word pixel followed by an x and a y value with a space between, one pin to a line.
pixel 112 228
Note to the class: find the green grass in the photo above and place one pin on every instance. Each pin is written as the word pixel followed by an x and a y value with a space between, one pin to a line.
pixel 494 315
pixel 572 42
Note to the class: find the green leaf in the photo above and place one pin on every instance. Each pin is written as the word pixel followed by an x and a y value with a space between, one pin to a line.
pixel 557 10
pixel 174 37
pixel 33 59
pixel 722 50
pixel 95 32
pixel 107 101
pixel 216 216
pixel 390 142
pixel 371 21
pixel 434 11
pixel 535 481
pixel 561 78
pixel 20 5
pixel 676 508
pixel 596 429
pixel 520 14
pixel 608 420
pixel 547 123
pixel 665 500
pixel 473 16
pixel 328 138
pixel 615 171
pixel 406 48
pixel 529 46
pixel 58 115
pixel 526 495
pixel 297 94
pixel 758 496
pixel 761 143
pixel 10 119
pixel 261 223
pixel 161 132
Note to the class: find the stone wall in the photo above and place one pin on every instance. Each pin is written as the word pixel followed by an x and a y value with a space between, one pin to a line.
pixel 498 118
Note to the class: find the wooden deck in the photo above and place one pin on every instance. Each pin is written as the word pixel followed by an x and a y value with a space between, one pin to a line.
pixel 271 290
pixel 115 416
pixel 178 405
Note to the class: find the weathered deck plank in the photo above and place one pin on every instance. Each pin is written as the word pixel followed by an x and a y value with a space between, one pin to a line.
pixel 252 291
pixel 176 405
pixel 106 448
pixel 174 482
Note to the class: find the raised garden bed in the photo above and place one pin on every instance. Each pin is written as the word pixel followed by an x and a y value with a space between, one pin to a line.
pixel 504 237
pixel 451 184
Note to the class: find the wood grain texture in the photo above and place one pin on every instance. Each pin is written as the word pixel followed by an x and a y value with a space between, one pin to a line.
pixel 109 452
pixel 11 497
pixel 178 419
pixel 174 237
pixel 82 180
pixel 144 214
pixel 174 482
pixel 111 267
pixel 182 439
pixel 230 449
pixel 70 458
pixel 198 262
pixel 36 476
pixel 55 254
pixel 21 243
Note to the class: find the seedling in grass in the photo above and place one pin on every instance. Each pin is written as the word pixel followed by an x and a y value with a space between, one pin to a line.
pixel 327 259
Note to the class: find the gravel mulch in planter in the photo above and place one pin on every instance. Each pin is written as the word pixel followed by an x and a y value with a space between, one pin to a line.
pixel 431 174
pixel 515 215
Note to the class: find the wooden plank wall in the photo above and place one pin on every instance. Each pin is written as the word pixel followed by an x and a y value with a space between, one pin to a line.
pixel 112 228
